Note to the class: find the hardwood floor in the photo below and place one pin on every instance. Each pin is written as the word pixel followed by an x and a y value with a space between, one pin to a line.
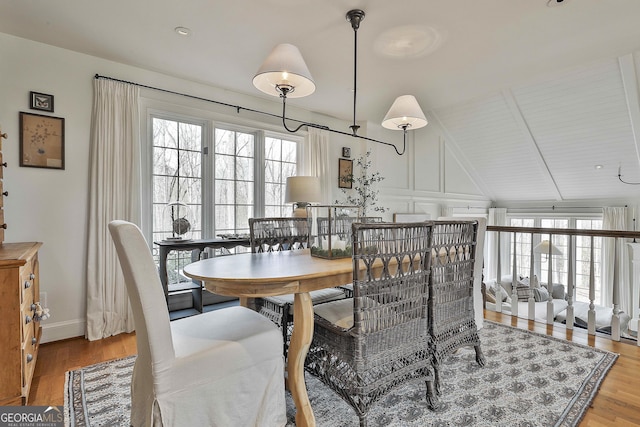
pixel 617 403
pixel 56 358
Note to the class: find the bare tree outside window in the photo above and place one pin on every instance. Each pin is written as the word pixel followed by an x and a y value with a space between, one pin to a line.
pixel 177 177
pixel 280 163
pixel 179 166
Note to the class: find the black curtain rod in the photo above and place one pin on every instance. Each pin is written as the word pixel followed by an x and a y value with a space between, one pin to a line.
pixel 471 207
pixel 554 207
pixel 238 108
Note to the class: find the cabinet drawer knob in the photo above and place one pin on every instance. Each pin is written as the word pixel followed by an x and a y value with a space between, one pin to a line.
pixel 27 284
pixel 27 319
pixel 33 341
pixel 29 357
pixel 33 307
pixel 32 276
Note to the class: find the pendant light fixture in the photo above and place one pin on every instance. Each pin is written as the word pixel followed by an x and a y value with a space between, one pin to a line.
pixel 285 74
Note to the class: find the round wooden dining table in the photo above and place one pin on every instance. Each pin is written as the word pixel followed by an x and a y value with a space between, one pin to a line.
pixel 277 273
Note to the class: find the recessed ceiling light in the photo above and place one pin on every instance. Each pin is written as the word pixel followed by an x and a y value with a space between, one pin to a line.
pixel 183 31
pixel 554 3
pixel 598 167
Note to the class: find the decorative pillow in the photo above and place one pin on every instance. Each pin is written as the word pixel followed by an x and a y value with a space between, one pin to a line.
pixel 557 291
pixel 524 292
pixel 491 296
pixel 505 281
pixel 491 293
pixel 540 294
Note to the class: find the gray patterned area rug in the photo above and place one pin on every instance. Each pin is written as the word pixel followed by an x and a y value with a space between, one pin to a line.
pixel 529 380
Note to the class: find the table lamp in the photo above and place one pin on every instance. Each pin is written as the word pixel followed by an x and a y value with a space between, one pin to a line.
pixel 302 191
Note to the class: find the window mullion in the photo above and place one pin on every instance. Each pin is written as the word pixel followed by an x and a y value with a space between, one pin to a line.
pixel 208 183
pixel 259 176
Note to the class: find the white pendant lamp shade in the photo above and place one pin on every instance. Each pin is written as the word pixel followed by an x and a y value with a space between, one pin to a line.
pixel 305 189
pixel 404 113
pixel 285 67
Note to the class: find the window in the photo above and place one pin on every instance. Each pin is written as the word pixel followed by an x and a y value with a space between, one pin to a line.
pixel 523 247
pixel 233 181
pixel 280 163
pixel 177 176
pixel 241 174
pixel 177 173
pixel 560 261
pixel 583 260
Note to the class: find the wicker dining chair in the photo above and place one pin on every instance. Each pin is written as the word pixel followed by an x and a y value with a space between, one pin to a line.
pixel 281 234
pixel 365 346
pixel 342 228
pixel 451 307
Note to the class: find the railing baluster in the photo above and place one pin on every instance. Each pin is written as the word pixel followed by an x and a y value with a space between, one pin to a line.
pixel 591 320
pixel 499 280
pixel 550 282
pixel 532 302
pixel 615 320
pixel 570 284
pixel 514 281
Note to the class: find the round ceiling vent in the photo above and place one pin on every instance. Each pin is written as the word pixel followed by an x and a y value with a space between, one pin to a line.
pixel 409 41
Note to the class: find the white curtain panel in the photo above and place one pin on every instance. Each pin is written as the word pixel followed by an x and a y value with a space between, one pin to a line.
pixel 316 160
pixel 615 219
pixel 114 194
pixel 497 216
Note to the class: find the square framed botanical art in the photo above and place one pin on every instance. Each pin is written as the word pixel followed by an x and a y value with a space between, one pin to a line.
pixel 41 141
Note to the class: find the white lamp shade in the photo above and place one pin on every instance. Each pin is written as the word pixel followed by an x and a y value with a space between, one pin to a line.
pixel 405 111
pixel 543 248
pixel 303 189
pixel 285 66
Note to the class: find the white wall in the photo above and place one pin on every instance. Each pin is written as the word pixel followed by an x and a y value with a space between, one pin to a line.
pixel 50 206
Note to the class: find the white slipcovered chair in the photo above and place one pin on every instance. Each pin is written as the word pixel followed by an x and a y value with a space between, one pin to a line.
pixel 222 368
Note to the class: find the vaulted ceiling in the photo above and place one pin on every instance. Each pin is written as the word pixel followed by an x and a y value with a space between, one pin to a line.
pixel 529 97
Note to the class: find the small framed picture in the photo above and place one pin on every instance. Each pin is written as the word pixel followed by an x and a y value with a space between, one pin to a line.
pixel 346 152
pixel 345 173
pixel 41 141
pixel 41 101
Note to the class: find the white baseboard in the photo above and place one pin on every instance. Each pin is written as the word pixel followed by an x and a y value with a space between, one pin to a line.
pixel 62 330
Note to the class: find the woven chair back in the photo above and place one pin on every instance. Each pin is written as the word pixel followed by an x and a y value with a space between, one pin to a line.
pixel 278 234
pixel 451 285
pixel 392 289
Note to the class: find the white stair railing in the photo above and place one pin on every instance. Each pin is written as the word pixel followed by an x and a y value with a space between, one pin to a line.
pixel 618 236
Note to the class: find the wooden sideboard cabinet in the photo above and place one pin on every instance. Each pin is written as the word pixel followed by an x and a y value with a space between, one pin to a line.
pixel 19 329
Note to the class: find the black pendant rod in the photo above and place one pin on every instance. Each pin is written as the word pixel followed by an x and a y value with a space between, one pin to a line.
pixel 355 17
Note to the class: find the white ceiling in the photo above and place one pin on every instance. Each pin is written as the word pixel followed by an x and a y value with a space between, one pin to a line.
pixel 531 97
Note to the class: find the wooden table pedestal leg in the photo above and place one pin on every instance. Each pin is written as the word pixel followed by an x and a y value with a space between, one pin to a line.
pixel 300 341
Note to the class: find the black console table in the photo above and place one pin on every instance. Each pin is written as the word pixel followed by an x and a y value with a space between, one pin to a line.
pixel 196 247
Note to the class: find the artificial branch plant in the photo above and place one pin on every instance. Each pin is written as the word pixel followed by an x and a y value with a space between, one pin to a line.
pixel 364 191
